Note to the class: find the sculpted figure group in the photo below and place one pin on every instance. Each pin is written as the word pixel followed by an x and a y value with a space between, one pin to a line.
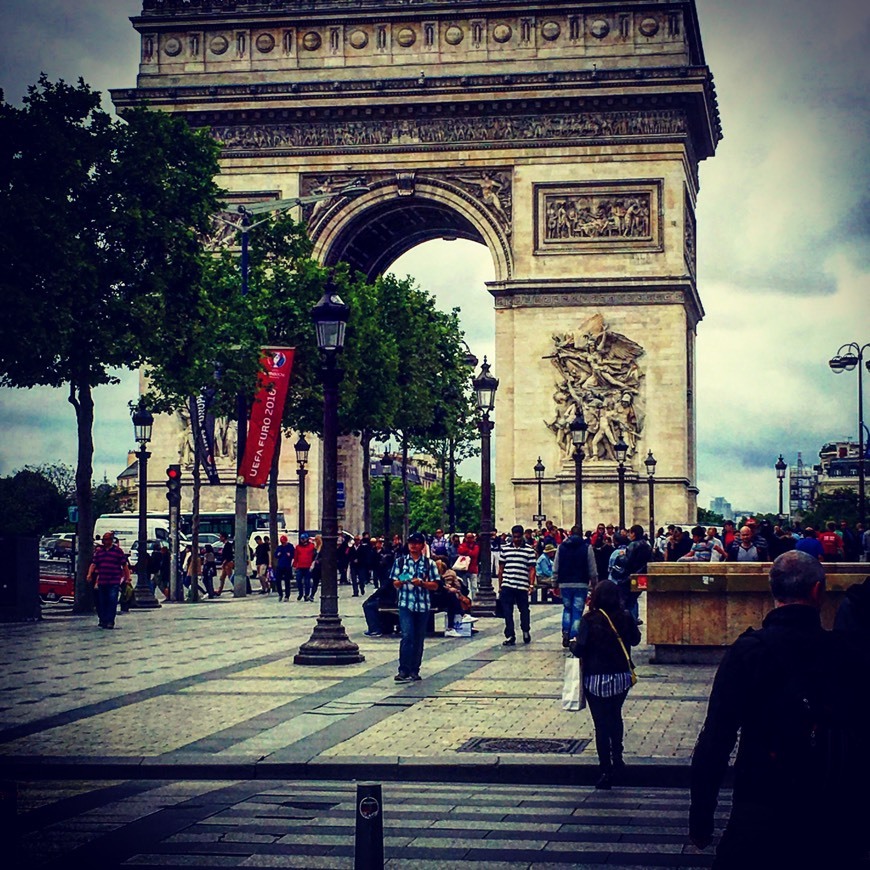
pixel 600 376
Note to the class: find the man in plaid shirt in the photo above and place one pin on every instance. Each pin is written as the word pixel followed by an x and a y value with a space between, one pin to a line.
pixel 414 576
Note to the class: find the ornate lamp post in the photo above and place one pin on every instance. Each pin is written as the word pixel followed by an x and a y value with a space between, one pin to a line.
pixel 387 469
pixel 578 438
pixel 246 223
pixel 540 468
pixel 650 463
pixel 302 447
pixel 143 421
pixel 485 386
pixel 780 477
pixel 848 357
pixel 621 449
pixel 329 643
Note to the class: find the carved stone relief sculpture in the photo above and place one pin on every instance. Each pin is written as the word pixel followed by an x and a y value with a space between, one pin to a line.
pixel 598 216
pixel 598 373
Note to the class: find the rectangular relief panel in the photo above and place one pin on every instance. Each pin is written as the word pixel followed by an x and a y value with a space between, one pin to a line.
pixel 592 217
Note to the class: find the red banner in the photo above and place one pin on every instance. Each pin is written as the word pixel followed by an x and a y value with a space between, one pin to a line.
pixel 266 415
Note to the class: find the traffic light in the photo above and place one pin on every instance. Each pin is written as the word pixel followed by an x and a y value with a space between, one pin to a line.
pixel 173 485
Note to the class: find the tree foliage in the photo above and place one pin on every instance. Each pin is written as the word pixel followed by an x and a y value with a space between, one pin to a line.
pixel 102 254
pixel 30 504
pixel 840 504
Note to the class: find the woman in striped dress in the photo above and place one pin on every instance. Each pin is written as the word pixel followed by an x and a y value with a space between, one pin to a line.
pixel 606 634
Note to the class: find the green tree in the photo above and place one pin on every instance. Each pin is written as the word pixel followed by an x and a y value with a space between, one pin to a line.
pixel 102 250
pixel 425 507
pixel 840 504
pixel 709 518
pixel 30 504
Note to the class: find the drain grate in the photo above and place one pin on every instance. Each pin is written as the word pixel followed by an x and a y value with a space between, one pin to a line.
pixel 528 745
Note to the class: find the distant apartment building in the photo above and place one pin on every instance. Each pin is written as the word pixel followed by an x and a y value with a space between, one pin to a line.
pixel 839 466
pixel 719 506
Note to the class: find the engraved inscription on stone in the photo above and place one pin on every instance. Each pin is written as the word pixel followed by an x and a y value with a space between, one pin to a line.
pixel 598 373
pixel 596 217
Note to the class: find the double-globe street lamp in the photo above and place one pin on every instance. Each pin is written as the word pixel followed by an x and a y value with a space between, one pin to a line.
pixel 301 447
pixel 143 421
pixel 485 386
pixel 621 450
pixel 247 223
pixel 387 471
pixel 780 478
pixel 578 429
pixel 847 358
pixel 650 463
pixel 540 468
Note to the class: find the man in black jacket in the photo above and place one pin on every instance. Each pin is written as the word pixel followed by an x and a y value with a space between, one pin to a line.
pixel 798 696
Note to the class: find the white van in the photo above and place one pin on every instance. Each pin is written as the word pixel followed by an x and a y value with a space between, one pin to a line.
pixel 125 527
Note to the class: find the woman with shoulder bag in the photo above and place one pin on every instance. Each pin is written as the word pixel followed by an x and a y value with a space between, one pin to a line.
pixel 605 636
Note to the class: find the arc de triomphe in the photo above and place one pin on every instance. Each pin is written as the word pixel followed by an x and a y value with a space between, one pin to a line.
pixel 563 136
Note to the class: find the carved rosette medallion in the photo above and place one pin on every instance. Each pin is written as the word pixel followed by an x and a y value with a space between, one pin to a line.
pixel 172 46
pixel 453 35
pixel 359 39
pixel 219 45
pixel 550 30
pixel 265 42
pixel 598 373
pixel 406 37
pixel 599 28
pixel 649 27
pixel 502 33
pixel 311 41
pixel 593 217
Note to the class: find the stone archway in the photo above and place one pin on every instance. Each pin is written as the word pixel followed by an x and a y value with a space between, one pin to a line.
pixel 564 136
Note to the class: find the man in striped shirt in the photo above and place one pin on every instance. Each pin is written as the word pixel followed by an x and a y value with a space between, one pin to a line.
pixel 110 568
pixel 415 576
pixel 516 579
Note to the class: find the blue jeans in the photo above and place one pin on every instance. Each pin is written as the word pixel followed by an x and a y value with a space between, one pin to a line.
pixel 573 602
pixel 413 628
pixel 303 582
pixel 107 603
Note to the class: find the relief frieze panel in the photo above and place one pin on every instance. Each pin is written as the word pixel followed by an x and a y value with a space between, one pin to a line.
pixel 588 217
pixel 598 375
pixel 341 133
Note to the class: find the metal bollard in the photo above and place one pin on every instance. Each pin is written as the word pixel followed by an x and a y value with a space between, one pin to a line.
pixel 369 846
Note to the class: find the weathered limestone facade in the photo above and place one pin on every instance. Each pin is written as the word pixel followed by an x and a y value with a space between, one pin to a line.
pixel 564 136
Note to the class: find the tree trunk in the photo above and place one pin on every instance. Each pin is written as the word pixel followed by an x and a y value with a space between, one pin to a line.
pixel 365 439
pixel 443 463
pixel 81 398
pixel 406 489
pixel 273 498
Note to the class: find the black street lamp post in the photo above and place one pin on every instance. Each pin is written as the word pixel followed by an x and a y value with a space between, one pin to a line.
pixel 578 438
pixel 143 421
pixel 246 223
pixel 540 468
pixel 621 449
pixel 485 386
pixel 387 468
pixel 650 463
pixel 302 447
pixel 780 478
pixel 329 643
pixel 848 357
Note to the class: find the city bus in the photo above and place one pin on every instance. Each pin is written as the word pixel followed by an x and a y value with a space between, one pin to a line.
pixel 225 521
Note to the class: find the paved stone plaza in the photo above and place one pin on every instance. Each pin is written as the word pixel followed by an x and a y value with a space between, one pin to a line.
pixel 201 706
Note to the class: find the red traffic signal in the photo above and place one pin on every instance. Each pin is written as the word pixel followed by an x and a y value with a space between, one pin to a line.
pixel 173 473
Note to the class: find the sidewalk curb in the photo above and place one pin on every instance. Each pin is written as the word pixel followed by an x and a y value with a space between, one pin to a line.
pixel 513 770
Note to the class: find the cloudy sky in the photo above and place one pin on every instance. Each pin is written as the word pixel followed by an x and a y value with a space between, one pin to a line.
pixel 783 226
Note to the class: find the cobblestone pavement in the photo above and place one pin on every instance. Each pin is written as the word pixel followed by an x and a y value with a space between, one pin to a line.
pixel 191 693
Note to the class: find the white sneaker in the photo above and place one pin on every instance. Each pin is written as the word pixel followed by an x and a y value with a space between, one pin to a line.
pixel 451 632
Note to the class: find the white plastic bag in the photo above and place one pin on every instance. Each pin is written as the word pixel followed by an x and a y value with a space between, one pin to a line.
pixel 573 698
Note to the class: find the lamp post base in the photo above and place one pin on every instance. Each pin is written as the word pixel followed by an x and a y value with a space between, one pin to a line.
pixel 144 597
pixel 328 645
pixel 484 602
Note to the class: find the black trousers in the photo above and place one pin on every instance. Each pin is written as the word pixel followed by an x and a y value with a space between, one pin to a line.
pixel 609 730
pixel 510 597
